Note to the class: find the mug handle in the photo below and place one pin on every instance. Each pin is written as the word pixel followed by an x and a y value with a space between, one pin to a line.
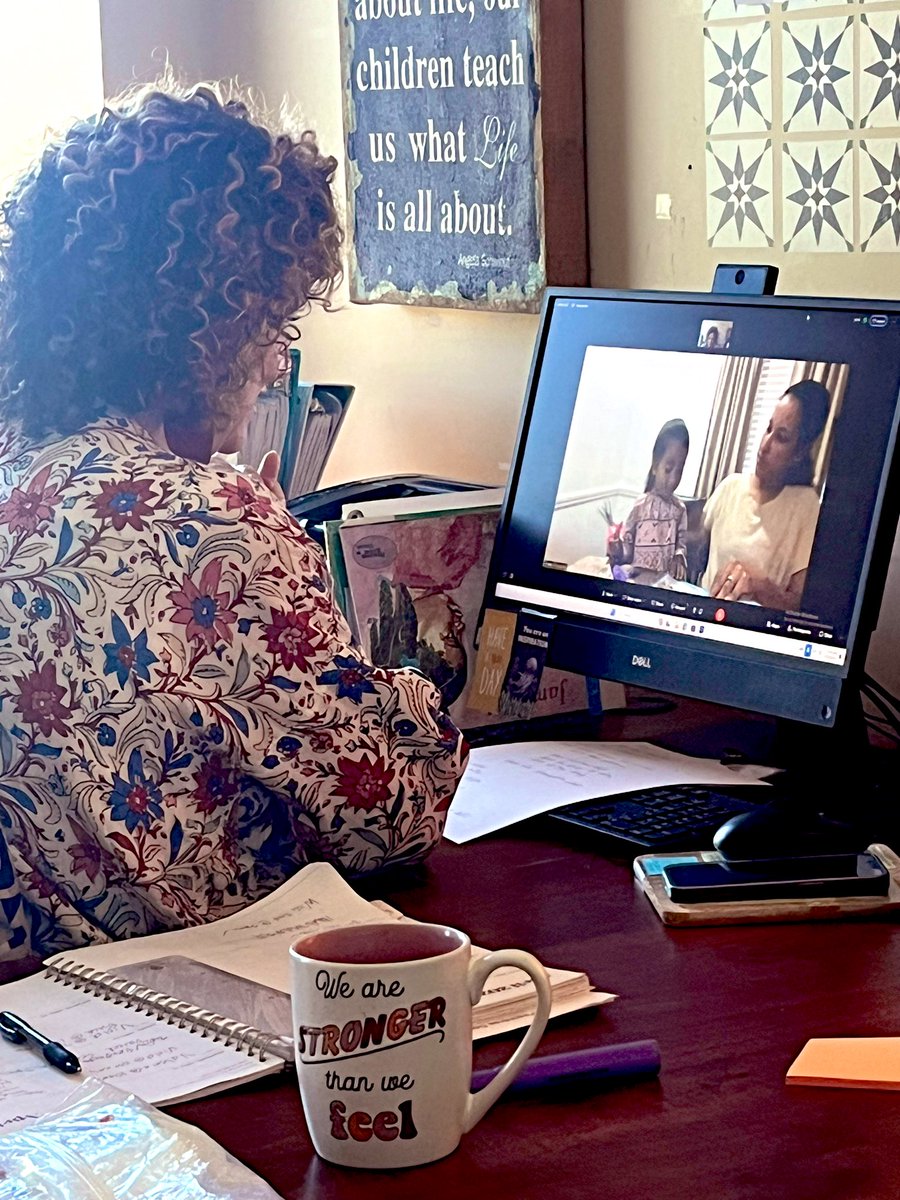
pixel 479 969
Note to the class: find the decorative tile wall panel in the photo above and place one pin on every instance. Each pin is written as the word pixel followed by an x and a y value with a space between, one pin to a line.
pixel 879 186
pixel 817 63
pixel 818 190
pixel 879 75
pixel 802 122
pixel 739 210
pixel 738 79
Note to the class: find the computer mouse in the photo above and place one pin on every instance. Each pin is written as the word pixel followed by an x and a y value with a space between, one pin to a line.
pixel 772 831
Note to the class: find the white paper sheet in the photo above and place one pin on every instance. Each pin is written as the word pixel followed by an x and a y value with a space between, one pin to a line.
pixel 159 1062
pixel 505 784
pixel 254 944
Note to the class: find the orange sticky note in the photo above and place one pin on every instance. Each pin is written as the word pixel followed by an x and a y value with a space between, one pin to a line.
pixel 860 1062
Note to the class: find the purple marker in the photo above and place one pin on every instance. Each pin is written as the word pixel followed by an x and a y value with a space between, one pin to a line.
pixel 596 1064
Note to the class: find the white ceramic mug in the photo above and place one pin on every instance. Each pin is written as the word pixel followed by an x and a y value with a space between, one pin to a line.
pixel 383 1038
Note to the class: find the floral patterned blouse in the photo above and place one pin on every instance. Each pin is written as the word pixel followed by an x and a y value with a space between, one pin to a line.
pixel 184 716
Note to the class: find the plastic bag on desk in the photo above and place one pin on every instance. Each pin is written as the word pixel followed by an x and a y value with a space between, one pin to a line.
pixel 107 1145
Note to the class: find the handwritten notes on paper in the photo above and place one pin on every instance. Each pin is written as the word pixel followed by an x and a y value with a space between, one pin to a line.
pixel 441 105
pixel 158 1062
pixel 254 944
pixel 505 784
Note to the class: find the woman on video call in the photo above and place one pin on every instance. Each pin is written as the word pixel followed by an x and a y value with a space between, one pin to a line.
pixel 761 525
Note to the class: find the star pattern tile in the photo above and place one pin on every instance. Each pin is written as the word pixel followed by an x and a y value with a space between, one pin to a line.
pixel 739 84
pixel 821 84
pixel 810 158
pixel 880 69
pixel 739 210
pixel 880 194
pixel 818 209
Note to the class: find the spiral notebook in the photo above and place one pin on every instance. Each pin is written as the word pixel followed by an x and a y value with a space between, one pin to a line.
pixel 177 1015
pixel 163 1057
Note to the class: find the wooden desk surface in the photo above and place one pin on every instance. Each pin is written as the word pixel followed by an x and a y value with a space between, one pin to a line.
pixel 729 1007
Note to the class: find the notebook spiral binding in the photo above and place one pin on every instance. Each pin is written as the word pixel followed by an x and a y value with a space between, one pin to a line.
pixel 168 1008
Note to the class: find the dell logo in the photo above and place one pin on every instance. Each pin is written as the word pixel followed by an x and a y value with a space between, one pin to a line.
pixel 641 660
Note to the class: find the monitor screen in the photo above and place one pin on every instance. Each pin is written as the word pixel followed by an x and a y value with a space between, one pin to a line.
pixel 702 495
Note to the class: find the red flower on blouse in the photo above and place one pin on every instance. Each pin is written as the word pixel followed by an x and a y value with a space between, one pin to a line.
pixel 41 885
pixel 40 700
pixel 124 503
pixel 87 859
pixel 242 495
pixel 215 785
pixel 290 638
pixel 364 782
pixel 28 508
pixel 203 609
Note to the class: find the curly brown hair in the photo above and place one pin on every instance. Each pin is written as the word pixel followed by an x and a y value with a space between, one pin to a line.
pixel 147 248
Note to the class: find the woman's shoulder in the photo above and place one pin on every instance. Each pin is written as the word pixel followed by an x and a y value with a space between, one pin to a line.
pixel 103 446
pixel 111 475
pixel 738 481
pixel 801 497
pixel 731 487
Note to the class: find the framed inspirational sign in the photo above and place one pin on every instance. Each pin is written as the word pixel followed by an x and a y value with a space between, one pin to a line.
pixel 465 145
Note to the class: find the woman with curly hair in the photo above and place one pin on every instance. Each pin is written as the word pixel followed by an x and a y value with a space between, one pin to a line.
pixel 184 717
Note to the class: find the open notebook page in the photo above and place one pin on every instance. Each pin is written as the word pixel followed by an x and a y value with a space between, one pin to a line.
pixel 159 1062
pixel 254 944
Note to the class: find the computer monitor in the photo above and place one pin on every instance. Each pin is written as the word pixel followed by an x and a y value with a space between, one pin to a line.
pixel 683 525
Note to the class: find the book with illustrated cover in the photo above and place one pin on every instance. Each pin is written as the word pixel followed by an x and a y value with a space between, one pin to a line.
pixel 412 587
pixel 229 979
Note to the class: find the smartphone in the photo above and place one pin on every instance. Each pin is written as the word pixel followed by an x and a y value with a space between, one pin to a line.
pixel 777 879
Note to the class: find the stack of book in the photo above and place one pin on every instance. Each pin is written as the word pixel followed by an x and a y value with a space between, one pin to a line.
pixel 410 576
pixel 301 421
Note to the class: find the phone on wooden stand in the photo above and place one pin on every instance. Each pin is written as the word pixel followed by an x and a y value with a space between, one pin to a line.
pixel 776 879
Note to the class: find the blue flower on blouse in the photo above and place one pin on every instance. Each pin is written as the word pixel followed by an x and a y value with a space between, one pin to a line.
pixel 188 536
pixel 124 656
pixel 350 678
pixel 106 735
pixel 41 608
pixel 137 801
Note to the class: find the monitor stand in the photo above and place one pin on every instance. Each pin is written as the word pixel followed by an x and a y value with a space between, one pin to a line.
pixel 826 794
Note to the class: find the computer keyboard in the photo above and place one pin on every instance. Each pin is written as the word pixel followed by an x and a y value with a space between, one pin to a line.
pixel 662 818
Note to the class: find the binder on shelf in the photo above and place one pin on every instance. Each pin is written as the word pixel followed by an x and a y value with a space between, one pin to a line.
pixel 301 421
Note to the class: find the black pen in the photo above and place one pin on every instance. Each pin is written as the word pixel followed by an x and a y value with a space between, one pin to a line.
pixel 15 1030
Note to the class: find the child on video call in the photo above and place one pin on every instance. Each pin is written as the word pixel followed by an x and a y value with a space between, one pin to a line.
pixel 652 535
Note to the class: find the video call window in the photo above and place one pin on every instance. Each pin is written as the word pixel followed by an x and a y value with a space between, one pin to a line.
pixel 696 473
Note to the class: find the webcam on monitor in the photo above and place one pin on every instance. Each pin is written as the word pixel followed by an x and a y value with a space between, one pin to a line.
pixel 735 279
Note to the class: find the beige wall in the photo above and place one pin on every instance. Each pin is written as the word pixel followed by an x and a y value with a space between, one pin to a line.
pixel 439 391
